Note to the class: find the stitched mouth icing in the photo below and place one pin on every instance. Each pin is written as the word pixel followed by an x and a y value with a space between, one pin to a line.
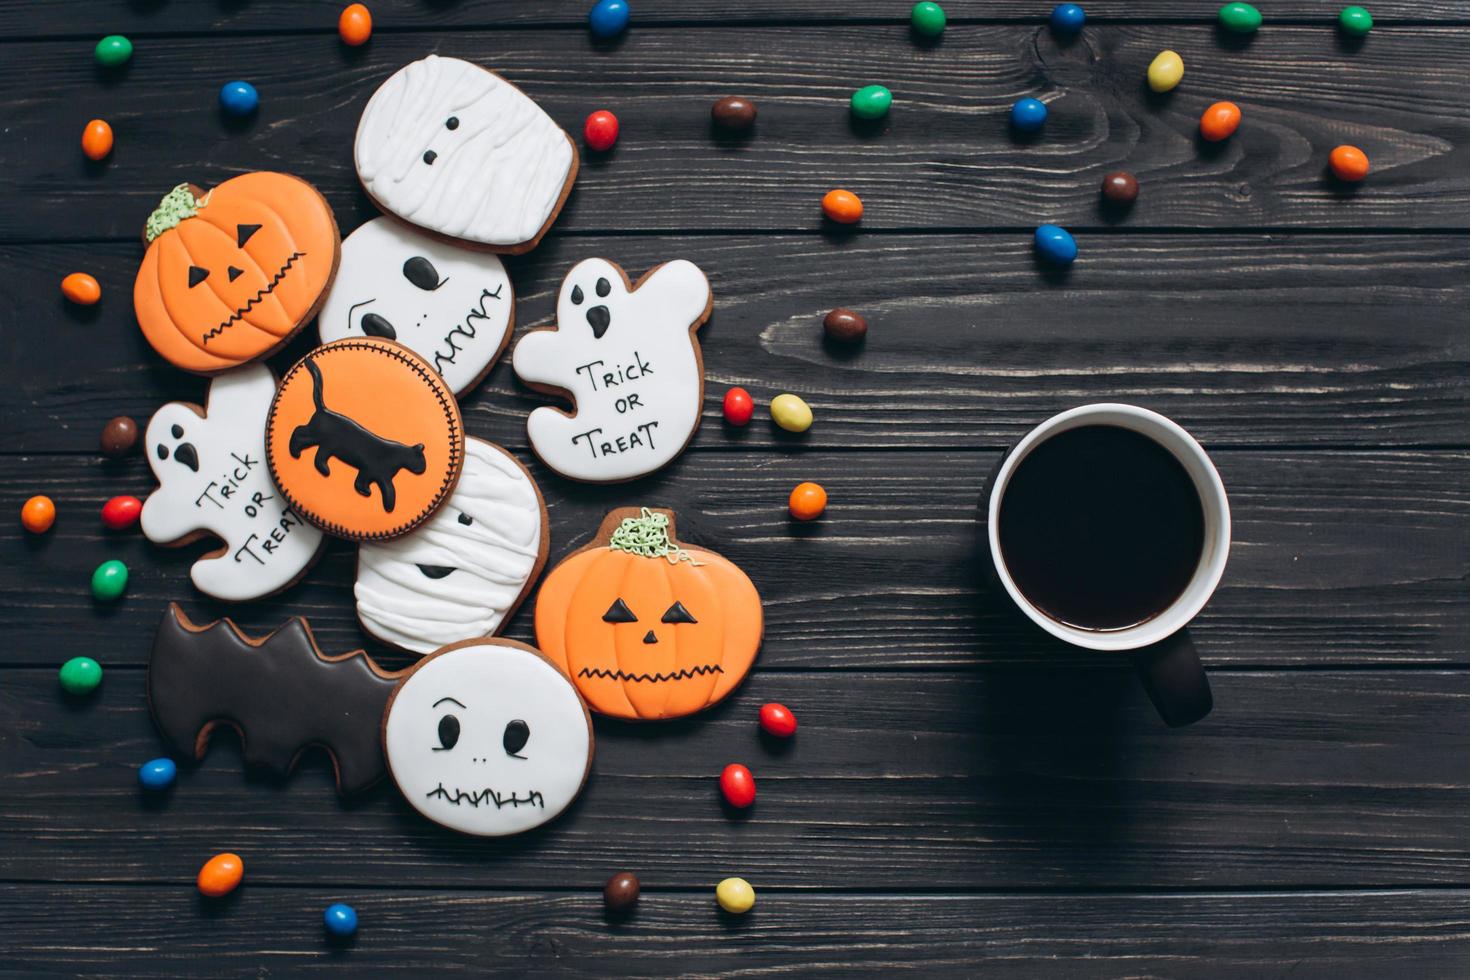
pixel 265 291
pixel 487 795
pixel 678 675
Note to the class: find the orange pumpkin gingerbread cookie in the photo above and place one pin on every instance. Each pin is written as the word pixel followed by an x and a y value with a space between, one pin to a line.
pixel 230 276
pixel 364 439
pixel 645 626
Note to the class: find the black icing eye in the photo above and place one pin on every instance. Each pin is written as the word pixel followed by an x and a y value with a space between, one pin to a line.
pixel 577 295
pixel 678 614
pixel 377 326
pixel 235 273
pixel 243 233
pixel 162 451
pixel 178 431
pixel 452 122
pixel 197 275
pixel 448 732
pixel 603 287
pixel 430 156
pixel 517 733
pixel 421 272
pixel 466 520
pixel 619 612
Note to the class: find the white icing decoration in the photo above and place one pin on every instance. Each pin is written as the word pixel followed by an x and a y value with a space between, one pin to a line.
pixel 458 324
pixel 496 178
pixel 637 388
pixel 228 492
pixel 491 558
pixel 477 786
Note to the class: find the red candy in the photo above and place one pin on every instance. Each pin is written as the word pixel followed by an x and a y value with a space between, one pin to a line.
pixel 121 513
pixel 778 720
pixel 601 130
pixel 739 406
pixel 738 785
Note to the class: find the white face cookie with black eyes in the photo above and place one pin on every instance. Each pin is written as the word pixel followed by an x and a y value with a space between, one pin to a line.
pixel 452 306
pixel 488 738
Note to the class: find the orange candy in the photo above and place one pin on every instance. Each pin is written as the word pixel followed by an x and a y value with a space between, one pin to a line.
pixel 38 514
pixel 221 875
pixel 843 207
pixel 807 501
pixel 1219 121
pixel 355 25
pixel 1349 163
pixel 81 289
pixel 97 139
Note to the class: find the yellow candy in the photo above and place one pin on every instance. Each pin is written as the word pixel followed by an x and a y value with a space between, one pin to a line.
pixel 791 413
pixel 1166 71
pixel 735 896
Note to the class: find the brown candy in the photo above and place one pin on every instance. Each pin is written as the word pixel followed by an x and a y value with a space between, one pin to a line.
pixel 119 437
pixel 621 893
pixel 1120 187
pixel 733 114
pixel 845 326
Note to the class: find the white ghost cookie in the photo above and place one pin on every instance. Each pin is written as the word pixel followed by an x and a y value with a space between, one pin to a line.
pixel 452 306
pixel 487 737
pixel 464 572
pixel 458 150
pixel 213 480
pixel 628 358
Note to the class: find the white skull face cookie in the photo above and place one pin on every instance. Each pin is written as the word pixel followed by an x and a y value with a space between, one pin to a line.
pixel 452 306
pixel 628 358
pixel 486 737
pixel 450 147
pixel 213 480
pixel 465 571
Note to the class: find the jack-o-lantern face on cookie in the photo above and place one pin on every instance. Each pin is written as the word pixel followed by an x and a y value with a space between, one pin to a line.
pixel 230 276
pixel 647 627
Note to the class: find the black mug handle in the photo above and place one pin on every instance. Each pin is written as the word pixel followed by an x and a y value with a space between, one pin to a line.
pixel 1175 680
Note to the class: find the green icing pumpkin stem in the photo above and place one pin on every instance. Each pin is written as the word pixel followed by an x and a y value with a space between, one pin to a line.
pixel 647 535
pixel 176 205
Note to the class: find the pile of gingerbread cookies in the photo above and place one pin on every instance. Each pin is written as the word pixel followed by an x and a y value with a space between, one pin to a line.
pixel 363 440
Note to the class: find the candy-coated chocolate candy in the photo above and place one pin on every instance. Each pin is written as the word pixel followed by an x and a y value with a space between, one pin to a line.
pixel 221 875
pixel 843 207
pixel 80 675
pixel 1120 187
pixel 1349 163
pixel 1241 18
pixel 791 413
pixel 871 102
pixel 340 919
pixel 777 720
pixel 807 501
pixel 354 26
pixel 735 896
pixel 97 140
pixel 608 18
pixel 157 774
pixel 733 114
pixel 1165 71
pixel 739 406
pixel 1219 121
pixel 1028 115
pixel 119 437
pixel 621 892
pixel 927 19
pixel 1067 19
pixel 38 514
pixel 1355 21
pixel 113 50
pixel 81 289
pixel 1056 245
pixel 844 325
pixel 110 580
pixel 121 513
pixel 238 98
pixel 601 130
pixel 737 785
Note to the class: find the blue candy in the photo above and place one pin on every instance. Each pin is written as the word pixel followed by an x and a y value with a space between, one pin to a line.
pixel 156 774
pixel 609 18
pixel 1067 19
pixel 238 98
pixel 340 920
pixel 1028 115
pixel 1056 245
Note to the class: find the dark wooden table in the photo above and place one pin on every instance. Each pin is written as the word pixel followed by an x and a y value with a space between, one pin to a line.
pixel 964 796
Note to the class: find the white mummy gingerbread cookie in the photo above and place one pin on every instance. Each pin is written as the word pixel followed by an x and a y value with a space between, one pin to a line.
pixel 488 738
pixel 213 480
pixel 628 358
pixel 463 573
pixel 452 306
pixel 458 150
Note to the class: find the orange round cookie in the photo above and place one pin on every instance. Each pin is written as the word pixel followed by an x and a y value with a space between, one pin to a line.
pixel 364 439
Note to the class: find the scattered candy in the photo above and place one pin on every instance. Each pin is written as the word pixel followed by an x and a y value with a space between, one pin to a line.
pixel 739 406
pixel 119 437
pixel 601 130
pixel 927 19
pixel 1349 163
pixel 121 513
pixel 354 26
pixel 81 289
pixel 737 785
pixel 1056 245
pixel 340 919
pixel 38 514
pixel 80 675
pixel 110 580
pixel 1067 19
pixel 608 18
pixel 1028 115
pixel 845 326
pixel 1219 121
pixel 1241 18
pixel 113 50
pixel 791 413
pixel 733 114
pixel 1165 71
pixel 1120 187
pixel 221 875
pixel 621 892
pixel 157 774
pixel 97 140
pixel 777 720
pixel 871 102
pixel 238 98
pixel 735 896
pixel 1355 21
pixel 807 501
pixel 843 207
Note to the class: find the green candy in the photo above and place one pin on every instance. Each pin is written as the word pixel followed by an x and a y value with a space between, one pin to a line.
pixel 80 675
pixel 1355 21
pixel 109 581
pixel 1241 18
pixel 113 50
pixel 928 19
pixel 871 102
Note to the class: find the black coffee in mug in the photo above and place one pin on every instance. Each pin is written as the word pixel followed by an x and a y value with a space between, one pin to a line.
pixel 1101 528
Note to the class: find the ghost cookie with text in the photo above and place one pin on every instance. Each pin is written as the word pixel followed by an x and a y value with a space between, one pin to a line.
pixel 627 357
pixel 213 481
pixel 646 626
